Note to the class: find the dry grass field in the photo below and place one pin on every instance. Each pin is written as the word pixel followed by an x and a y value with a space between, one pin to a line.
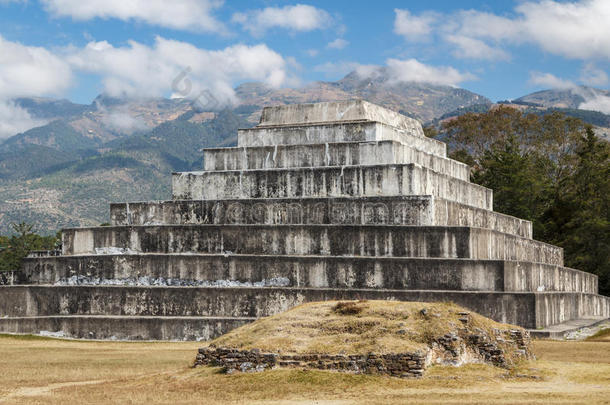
pixel 49 371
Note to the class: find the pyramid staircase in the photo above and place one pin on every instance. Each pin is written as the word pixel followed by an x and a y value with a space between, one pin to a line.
pixel 322 201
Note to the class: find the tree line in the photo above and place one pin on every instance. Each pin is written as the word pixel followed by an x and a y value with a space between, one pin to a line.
pixel 552 170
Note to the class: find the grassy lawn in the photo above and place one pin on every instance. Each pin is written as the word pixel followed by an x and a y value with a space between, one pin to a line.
pixel 49 371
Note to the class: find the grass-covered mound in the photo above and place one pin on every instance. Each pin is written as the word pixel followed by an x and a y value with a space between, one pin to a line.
pixel 440 332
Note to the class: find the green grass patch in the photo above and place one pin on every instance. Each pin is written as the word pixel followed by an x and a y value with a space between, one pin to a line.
pixel 603 334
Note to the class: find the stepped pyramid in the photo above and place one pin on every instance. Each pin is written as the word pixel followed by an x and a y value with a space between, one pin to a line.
pixel 338 200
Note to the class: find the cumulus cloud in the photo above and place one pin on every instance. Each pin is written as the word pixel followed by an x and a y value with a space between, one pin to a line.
pixel 192 15
pixel 550 80
pixel 592 76
pixel 31 71
pixel 138 70
pixel 14 119
pixel 597 103
pixel 475 49
pixel 411 70
pixel 27 71
pixel 397 70
pixel 338 43
pixel 578 30
pixel 572 29
pixel 332 69
pixel 119 119
pixel 300 17
pixel 411 27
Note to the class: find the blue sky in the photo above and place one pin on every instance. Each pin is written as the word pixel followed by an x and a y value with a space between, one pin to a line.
pixel 501 49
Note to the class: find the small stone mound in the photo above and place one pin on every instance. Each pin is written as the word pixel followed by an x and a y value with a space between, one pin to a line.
pixel 392 338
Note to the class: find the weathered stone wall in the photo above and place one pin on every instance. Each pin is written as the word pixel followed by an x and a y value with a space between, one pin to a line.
pixel 528 276
pixel 355 131
pixel 501 349
pixel 553 308
pixel 337 111
pixel 349 181
pixel 333 240
pixel 123 327
pixel 530 310
pixel 309 271
pixel 330 154
pixel 398 210
pixel 395 364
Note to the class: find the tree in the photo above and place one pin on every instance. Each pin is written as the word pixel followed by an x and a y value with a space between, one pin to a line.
pixel 552 170
pixel 580 222
pixel 19 245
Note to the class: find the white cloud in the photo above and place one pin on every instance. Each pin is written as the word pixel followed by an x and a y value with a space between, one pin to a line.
pixel 192 15
pixel 31 71
pixel 598 103
pixel 411 70
pixel 338 43
pixel 300 17
pixel 476 24
pixel 475 49
pixel 312 52
pixel 27 71
pixel 592 76
pixel 14 119
pixel 119 119
pixel 576 29
pixel 550 80
pixel 138 70
pixel 337 68
pixel 413 27
pixel 396 70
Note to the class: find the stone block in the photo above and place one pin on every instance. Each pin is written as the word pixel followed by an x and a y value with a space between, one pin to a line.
pixel 358 131
pixel 531 310
pixel 399 210
pixel 336 111
pixel 330 154
pixel 335 240
pixel 348 181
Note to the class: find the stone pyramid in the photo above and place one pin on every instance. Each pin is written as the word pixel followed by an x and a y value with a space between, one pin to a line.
pixel 338 200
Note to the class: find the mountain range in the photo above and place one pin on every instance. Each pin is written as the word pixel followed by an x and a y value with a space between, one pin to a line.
pixel 65 172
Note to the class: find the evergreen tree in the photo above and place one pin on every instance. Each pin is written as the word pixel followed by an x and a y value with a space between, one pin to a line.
pixel 552 170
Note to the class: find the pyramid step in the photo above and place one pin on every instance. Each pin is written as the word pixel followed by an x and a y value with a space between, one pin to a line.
pixel 123 327
pixel 336 111
pixel 306 271
pixel 563 330
pixel 394 210
pixel 335 240
pixel 330 154
pixel 348 181
pixel 321 133
pixel 530 310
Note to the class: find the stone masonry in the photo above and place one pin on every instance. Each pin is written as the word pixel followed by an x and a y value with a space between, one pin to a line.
pixel 327 201
pixel 501 349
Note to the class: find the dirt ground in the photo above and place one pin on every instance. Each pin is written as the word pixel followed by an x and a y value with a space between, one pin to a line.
pixel 49 371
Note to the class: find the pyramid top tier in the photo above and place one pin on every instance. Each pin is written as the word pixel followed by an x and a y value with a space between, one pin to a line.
pixel 341 121
pixel 336 112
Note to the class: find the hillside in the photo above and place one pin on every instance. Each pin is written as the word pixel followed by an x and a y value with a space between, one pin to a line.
pixel 422 101
pixel 61 187
pixel 572 98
